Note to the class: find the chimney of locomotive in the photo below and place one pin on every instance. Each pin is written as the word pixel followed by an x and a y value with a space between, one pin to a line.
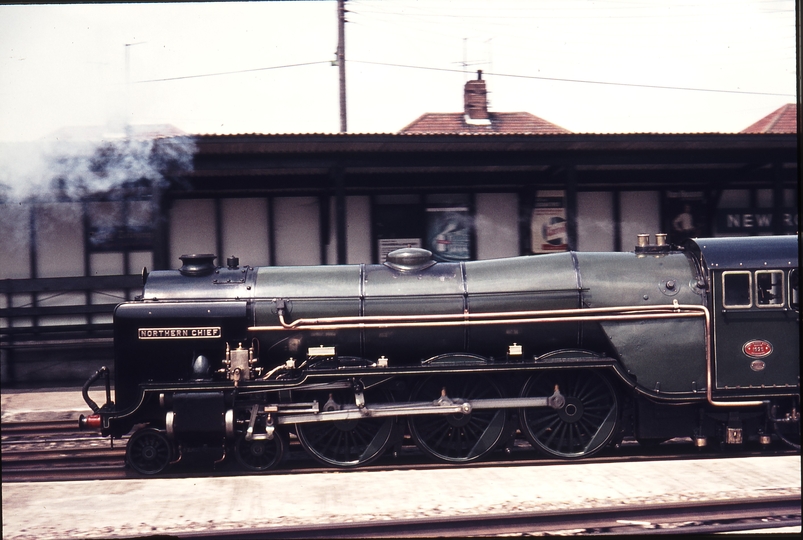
pixel 475 99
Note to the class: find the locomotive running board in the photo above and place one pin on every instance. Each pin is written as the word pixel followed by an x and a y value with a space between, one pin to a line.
pixel 440 406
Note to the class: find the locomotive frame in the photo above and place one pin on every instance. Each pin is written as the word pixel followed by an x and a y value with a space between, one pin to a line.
pixel 573 350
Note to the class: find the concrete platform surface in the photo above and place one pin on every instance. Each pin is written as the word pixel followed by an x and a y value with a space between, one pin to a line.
pixel 47 405
pixel 108 509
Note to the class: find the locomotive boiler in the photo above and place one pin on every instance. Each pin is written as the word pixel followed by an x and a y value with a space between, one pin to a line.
pixel 573 350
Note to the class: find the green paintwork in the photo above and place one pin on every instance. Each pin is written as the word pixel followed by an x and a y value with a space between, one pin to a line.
pixel 667 356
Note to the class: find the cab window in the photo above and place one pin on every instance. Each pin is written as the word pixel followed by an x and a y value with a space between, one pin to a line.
pixel 794 292
pixel 737 290
pixel 769 288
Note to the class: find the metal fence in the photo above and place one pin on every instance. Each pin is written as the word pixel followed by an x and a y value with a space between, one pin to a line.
pixel 46 324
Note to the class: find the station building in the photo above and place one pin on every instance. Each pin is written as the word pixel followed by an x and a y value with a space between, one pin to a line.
pixel 466 185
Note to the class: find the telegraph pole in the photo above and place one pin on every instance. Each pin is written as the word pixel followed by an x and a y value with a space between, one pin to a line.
pixel 341 60
pixel 337 174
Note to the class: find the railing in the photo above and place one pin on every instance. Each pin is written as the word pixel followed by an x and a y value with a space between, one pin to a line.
pixel 63 316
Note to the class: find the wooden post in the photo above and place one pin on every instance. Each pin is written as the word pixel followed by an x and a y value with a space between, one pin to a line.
pixel 341 60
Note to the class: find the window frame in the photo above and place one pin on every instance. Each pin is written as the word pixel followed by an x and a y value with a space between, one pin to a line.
pixel 789 294
pixel 782 289
pixel 749 274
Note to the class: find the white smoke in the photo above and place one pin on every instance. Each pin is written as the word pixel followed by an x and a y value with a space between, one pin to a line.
pixel 42 185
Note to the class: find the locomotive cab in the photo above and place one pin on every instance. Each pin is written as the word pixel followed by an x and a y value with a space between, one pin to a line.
pixel 755 315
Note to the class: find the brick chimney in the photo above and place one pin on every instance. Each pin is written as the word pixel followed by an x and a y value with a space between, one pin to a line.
pixel 476 101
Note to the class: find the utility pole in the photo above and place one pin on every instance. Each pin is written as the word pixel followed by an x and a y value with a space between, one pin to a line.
pixel 341 60
pixel 337 173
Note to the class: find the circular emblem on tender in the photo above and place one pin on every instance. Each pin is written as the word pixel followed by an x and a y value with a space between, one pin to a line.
pixel 757 365
pixel 757 348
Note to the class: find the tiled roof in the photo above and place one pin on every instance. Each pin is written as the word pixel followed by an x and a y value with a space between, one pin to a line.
pixel 504 122
pixel 784 120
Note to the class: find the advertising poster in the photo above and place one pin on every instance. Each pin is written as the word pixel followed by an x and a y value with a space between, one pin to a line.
pixel 686 215
pixel 449 233
pixel 548 223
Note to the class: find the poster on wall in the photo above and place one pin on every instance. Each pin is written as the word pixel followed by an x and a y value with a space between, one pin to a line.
pixel 386 245
pixel 548 223
pixel 449 233
pixel 685 215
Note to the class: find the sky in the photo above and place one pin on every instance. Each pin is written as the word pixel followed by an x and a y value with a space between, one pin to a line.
pixel 601 66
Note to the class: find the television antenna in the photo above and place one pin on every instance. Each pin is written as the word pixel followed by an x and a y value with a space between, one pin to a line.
pixel 487 62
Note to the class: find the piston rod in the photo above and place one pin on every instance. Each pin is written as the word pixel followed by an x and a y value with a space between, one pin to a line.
pixel 381 410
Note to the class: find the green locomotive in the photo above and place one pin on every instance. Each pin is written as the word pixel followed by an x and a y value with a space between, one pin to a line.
pixel 573 350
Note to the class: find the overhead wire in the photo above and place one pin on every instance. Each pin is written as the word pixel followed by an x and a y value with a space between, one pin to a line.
pixel 234 72
pixel 559 79
pixel 452 70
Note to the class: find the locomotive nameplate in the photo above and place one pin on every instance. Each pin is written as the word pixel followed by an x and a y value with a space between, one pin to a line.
pixel 179 333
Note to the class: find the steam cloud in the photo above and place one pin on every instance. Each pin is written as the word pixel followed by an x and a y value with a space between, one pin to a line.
pixel 35 174
pixel 73 170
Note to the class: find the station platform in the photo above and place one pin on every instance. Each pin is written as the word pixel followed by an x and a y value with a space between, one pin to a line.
pixel 169 506
pixel 47 405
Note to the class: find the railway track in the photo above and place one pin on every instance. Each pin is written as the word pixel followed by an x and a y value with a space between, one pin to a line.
pixel 57 451
pixel 678 518
pixel 29 429
pixel 66 456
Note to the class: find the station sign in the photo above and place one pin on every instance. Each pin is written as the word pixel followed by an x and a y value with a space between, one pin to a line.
pixel 747 220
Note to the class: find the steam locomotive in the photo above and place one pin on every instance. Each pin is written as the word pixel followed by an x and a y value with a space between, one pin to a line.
pixel 572 350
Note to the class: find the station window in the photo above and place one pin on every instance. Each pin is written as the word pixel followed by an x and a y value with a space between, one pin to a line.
pixel 794 291
pixel 441 223
pixel 737 290
pixel 769 288
pixel 398 222
pixel 122 225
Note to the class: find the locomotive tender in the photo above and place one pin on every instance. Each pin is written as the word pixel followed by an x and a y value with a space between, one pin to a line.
pixel 576 350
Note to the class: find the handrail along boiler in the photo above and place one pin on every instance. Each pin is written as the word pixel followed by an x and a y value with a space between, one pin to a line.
pixel 576 350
